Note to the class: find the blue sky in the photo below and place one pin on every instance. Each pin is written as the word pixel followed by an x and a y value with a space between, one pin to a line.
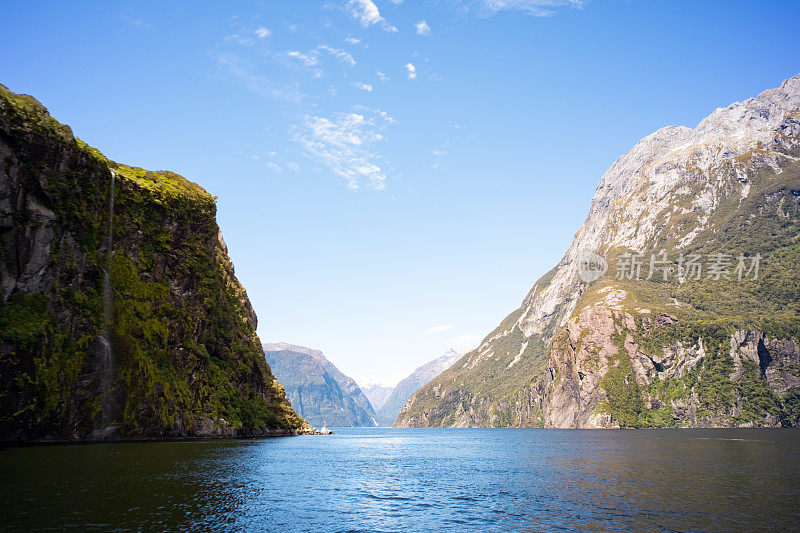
pixel 392 176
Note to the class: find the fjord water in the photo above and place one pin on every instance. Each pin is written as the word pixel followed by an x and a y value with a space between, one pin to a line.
pixel 381 479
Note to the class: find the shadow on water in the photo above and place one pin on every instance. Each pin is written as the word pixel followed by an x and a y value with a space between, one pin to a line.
pixel 418 480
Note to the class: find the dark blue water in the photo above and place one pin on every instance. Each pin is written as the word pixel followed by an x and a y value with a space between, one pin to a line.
pixel 414 480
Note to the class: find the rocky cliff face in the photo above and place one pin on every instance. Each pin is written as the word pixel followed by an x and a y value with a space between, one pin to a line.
pixel 120 316
pixel 669 348
pixel 318 390
pixel 408 386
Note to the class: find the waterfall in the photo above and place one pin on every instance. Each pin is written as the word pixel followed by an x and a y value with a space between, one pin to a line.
pixel 108 302
pixel 105 350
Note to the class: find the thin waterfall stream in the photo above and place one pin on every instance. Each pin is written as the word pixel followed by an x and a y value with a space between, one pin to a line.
pixel 106 352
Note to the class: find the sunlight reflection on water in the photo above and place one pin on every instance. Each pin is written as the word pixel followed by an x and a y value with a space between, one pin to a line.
pixel 414 480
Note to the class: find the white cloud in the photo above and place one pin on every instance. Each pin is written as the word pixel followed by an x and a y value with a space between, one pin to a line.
pixel 343 144
pixel 339 54
pixel 352 40
pixel 412 71
pixel 438 329
pixel 294 167
pixel 422 28
pixel 537 8
pixel 262 32
pixel 438 155
pixel 385 116
pixel 363 86
pixel 239 39
pixel 367 13
pixel 382 76
pixel 274 167
pixel 305 59
pixel 465 342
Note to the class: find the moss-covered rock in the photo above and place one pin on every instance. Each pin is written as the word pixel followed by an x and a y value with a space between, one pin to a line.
pixel 182 357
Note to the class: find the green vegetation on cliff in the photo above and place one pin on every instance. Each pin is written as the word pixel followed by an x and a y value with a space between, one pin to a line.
pixel 185 358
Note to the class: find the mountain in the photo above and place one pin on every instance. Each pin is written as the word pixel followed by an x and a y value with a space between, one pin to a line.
pixel 593 346
pixel 419 377
pixel 377 394
pixel 120 314
pixel 317 389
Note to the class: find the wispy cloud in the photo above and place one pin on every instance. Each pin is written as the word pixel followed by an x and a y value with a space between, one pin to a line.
pixel 422 28
pixel 341 55
pixel 352 40
pixel 465 341
pixel 412 71
pixel 305 59
pixel 246 74
pixel 365 11
pixel 275 167
pixel 438 329
pixel 536 8
pixel 368 14
pixel 438 156
pixel 312 60
pixel 136 22
pixel 262 32
pixel 363 86
pixel 385 116
pixel 382 76
pixel 343 143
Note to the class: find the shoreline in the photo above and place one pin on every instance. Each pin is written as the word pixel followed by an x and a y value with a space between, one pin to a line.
pixel 261 434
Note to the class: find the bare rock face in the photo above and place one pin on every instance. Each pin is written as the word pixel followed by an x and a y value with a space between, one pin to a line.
pixel 729 186
pixel 578 363
pixel 575 391
pixel 777 359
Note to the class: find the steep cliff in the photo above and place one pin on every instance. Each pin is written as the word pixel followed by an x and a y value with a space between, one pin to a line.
pixel 653 340
pixel 121 316
pixel 319 391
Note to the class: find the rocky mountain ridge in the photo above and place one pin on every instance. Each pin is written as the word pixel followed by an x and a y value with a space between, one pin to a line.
pixel 613 352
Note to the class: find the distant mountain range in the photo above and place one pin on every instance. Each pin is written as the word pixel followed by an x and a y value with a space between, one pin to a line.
pixel 317 390
pixel 389 410
pixel 377 394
